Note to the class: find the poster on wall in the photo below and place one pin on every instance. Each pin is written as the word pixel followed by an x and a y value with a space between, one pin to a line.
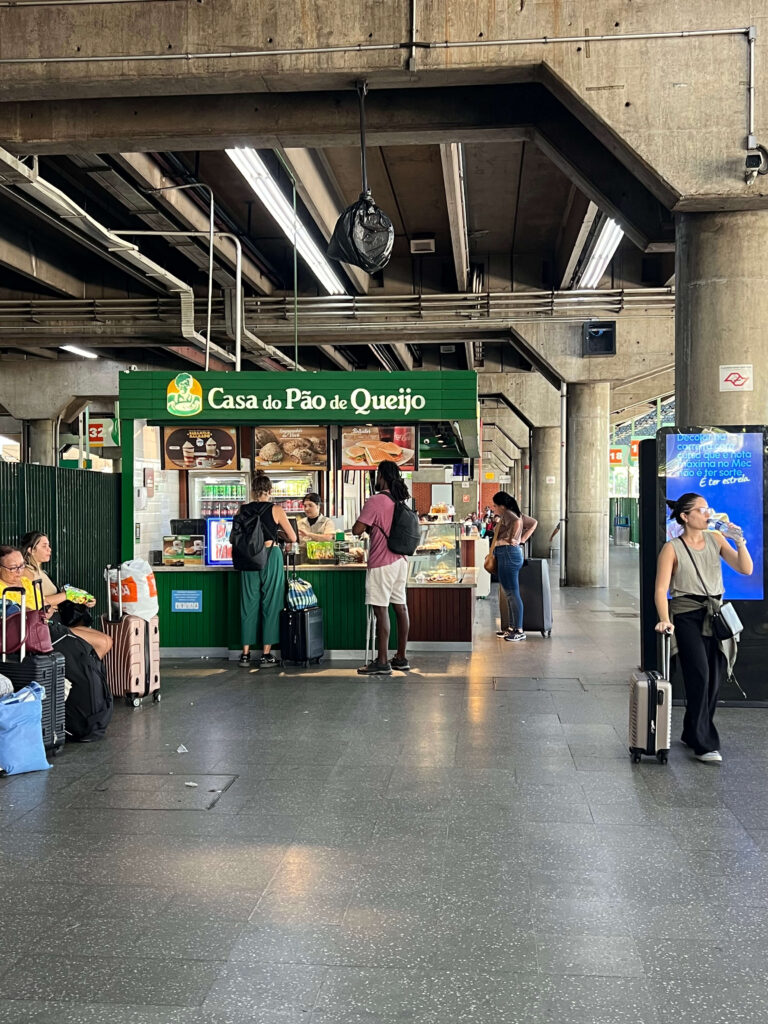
pixel 200 448
pixel 366 447
pixel 290 448
pixel 727 470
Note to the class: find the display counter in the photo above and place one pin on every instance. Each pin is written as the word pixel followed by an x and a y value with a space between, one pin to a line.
pixel 200 611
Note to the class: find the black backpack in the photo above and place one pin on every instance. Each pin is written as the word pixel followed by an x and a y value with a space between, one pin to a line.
pixel 405 533
pixel 247 539
pixel 90 704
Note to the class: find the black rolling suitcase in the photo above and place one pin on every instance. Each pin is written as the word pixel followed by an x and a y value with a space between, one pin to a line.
pixel 301 635
pixel 536 596
pixel 45 669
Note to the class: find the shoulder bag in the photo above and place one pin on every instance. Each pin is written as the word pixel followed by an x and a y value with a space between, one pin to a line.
pixel 489 562
pixel 726 623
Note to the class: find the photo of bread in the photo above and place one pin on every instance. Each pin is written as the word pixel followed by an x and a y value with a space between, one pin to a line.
pixel 290 448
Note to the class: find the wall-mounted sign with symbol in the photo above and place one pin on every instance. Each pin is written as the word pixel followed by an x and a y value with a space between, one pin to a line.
pixel 737 378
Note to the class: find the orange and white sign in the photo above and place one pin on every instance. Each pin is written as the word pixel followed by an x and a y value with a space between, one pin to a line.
pixel 617 456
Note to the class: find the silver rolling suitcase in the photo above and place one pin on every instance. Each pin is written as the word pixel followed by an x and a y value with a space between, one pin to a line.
pixel 650 710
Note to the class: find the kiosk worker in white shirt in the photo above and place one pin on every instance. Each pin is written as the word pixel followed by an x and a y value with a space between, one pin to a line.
pixel 313 525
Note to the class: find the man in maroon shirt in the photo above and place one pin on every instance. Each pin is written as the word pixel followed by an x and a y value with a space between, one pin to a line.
pixel 387 572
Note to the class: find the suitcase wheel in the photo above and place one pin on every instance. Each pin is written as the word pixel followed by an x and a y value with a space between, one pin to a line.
pixel 636 757
pixel 133 702
pixel 662 757
pixel 546 632
pixel 156 697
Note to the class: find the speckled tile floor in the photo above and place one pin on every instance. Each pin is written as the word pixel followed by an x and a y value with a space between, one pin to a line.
pixel 466 843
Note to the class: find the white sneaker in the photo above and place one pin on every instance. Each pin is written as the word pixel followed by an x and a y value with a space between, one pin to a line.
pixel 711 757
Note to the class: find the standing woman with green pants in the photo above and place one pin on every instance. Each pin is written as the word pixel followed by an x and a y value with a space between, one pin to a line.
pixel 262 593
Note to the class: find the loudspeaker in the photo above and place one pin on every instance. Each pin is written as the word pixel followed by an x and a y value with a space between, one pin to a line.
pixel 598 338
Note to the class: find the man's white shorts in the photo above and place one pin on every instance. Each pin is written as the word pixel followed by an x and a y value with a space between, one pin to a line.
pixel 386 584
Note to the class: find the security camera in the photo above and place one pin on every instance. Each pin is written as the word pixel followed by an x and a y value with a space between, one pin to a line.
pixel 755 163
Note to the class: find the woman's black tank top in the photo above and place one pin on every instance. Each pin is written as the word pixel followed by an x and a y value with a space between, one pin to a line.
pixel 268 524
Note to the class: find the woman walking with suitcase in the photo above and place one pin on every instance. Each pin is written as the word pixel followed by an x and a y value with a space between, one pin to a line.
pixel 690 570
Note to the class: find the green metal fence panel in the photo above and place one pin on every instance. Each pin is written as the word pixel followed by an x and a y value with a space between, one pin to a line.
pixel 77 509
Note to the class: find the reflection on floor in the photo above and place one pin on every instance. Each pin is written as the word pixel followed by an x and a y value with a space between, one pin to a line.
pixel 466 843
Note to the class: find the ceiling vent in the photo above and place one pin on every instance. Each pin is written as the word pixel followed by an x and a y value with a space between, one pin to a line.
pixel 423 244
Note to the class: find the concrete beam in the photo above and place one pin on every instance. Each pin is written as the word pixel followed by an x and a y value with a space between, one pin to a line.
pixel 21 251
pixel 321 195
pixel 453 176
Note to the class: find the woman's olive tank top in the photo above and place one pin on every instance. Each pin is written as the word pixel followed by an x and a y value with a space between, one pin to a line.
pixel 685 580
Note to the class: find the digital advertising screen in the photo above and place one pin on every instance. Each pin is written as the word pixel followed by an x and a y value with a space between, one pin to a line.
pixel 727 470
pixel 218 550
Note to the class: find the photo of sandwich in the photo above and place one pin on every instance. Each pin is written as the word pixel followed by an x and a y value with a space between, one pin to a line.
pixel 366 447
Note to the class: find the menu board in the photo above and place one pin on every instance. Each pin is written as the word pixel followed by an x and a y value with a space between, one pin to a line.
pixel 200 448
pixel 366 447
pixel 183 549
pixel 290 448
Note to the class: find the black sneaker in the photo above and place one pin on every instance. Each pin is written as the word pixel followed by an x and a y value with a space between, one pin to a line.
pixel 373 668
pixel 515 637
pixel 401 664
pixel 501 633
pixel 268 659
pixel 245 661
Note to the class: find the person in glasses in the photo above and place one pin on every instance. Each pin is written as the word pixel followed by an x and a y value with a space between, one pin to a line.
pixel 12 566
pixel 689 590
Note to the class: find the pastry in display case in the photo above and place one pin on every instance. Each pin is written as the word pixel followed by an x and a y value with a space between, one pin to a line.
pixel 351 550
pixel 437 559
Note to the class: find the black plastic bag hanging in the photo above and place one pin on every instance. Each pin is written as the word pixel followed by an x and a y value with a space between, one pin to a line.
pixel 363 235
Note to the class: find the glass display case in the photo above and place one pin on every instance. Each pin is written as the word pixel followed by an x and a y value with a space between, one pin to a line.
pixel 289 489
pixel 437 559
pixel 216 494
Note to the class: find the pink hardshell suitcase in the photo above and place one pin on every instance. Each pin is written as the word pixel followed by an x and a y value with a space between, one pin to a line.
pixel 133 664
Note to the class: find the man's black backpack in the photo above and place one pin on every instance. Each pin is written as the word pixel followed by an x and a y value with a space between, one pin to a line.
pixel 90 704
pixel 404 534
pixel 247 539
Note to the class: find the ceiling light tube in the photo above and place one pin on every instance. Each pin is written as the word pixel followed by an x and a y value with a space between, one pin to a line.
pixel 78 351
pixel 603 250
pixel 256 173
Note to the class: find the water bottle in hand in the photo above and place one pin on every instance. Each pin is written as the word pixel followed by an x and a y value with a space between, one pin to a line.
pixel 719 521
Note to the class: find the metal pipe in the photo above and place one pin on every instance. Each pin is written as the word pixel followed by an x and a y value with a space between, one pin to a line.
pixel 87 428
pixel 412 56
pixel 362 90
pixel 80 441
pixel 751 40
pixel 563 489
pixel 373 47
pixel 205 188
pixel 268 349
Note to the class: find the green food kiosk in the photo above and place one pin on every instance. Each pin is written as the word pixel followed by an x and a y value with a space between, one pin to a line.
pixel 191 441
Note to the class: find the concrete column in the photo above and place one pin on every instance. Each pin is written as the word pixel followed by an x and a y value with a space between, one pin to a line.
pixel 587 485
pixel 525 475
pixel 721 309
pixel 545 492
pixel 42 442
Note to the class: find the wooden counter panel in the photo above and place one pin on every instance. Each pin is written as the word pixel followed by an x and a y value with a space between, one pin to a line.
pixel 441 614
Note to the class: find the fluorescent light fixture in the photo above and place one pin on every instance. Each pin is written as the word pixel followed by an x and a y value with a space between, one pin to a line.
pixel 78 351
pixel 255 172
pixel 605 246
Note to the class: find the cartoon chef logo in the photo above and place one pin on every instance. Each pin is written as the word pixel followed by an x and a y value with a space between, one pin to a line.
pixel 184 396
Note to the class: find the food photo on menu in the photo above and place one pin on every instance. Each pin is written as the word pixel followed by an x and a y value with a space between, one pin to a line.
pixel 366 447
pixel 290 448
pixel 200 448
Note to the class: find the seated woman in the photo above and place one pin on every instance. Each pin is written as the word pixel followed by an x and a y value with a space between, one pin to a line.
pixel 312 525
pixel 12 566
pixel 36 550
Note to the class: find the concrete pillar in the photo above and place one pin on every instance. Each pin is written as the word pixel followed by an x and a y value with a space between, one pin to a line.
pixel 587 485
pixel 545 491
pixel 42 442
pixel 721 309
pixel 525 476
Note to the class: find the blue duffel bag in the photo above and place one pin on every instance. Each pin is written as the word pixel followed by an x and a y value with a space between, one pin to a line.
pixel 21 731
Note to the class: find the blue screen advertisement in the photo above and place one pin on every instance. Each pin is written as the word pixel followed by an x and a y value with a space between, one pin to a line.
pixel 727 470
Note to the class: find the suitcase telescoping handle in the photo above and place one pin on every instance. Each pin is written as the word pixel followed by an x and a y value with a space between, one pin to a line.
pixel 666 648
pixel 22 625
pixel 108 577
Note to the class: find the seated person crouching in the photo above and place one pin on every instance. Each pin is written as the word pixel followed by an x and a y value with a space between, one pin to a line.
pixel 36 550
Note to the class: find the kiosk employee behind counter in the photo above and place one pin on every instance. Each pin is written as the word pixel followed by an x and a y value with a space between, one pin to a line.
pixel 313 525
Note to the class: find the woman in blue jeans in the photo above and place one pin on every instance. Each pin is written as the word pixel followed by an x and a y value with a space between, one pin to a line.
pixel 512 531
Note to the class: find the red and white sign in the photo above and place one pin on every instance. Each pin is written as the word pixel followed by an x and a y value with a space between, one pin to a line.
pixel 738 377
pixel 617 456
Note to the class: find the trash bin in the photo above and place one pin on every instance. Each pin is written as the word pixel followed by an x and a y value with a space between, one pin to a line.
pixel 621 531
